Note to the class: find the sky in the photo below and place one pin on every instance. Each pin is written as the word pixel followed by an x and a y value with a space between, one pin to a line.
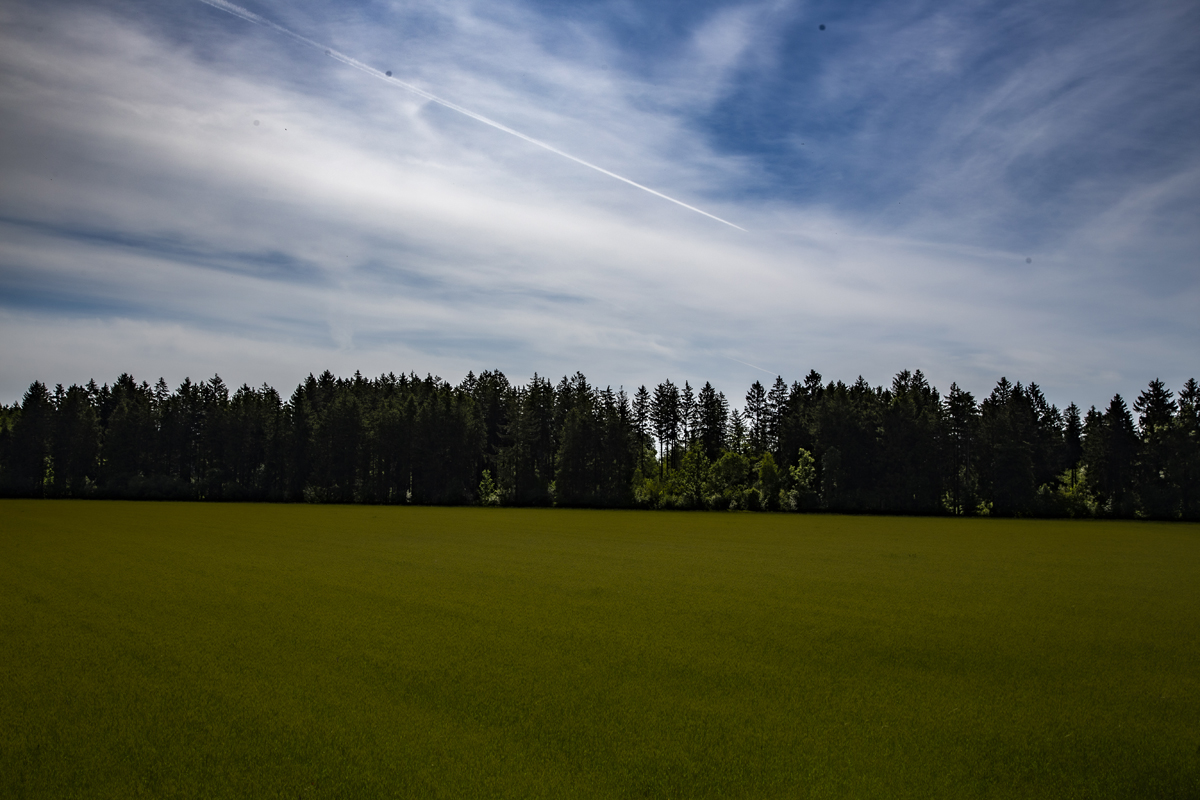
pixel 975 190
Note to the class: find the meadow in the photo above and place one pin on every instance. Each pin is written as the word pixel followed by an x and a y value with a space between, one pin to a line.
pixel 242 650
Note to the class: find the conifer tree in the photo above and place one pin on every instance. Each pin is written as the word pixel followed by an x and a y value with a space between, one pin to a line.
pixel 641 423
pixel 664 416
pixel 1158 496
pixel 1186 466
pixel 1072 440
pixel 757 417
pixel 713 414
pixel 29 448
pixel 776 407
pixel 76 443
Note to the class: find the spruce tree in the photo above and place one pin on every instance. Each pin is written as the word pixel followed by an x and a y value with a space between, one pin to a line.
pixel 1158 494
pixel 757 417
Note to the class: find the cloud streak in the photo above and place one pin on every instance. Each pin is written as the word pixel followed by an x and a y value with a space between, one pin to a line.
pixel 147 225
pixel 250 16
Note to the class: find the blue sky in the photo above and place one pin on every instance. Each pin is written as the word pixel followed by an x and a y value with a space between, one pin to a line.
pixel 972 189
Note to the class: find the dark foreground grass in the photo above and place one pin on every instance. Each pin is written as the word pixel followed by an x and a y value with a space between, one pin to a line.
pixel 185 650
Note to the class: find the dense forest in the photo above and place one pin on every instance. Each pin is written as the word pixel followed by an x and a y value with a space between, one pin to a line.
pixel 810 446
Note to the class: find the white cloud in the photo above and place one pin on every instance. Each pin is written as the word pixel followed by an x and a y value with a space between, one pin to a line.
pixel 152 227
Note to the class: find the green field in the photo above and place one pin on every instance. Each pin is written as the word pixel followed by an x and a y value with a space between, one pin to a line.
pixel 192 650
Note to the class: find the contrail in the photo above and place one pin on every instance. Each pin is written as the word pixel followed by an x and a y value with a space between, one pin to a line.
pixel 738 360
pixel 250 16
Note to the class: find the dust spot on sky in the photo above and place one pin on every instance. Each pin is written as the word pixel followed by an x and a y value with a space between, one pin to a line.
pixel 388 73
pixel 255 122
pixel 1029 261
pixel 822 27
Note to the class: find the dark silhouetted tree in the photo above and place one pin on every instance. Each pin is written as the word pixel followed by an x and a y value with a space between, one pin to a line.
pixel 1158 494
pixel 757 417
pixel 664 416
pixel 76 447
pixel 32 432
pixel 713 414
pixel 962 423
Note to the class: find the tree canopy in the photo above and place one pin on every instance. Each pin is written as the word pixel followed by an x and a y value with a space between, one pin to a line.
pixel 811 445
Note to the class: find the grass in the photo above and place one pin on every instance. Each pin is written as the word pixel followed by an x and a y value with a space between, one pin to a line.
pixel 189 650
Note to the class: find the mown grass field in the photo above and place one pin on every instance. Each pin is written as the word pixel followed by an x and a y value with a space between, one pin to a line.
pixel 188 650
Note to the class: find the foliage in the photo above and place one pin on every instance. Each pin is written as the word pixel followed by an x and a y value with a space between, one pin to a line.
pixel 811 446
pixel 803 495
pixel 489 495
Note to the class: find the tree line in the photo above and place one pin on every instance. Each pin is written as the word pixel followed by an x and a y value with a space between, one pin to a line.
pixel 808 446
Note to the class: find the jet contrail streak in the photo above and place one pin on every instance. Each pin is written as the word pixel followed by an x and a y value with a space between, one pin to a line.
pixel 250 16
pixel 760 369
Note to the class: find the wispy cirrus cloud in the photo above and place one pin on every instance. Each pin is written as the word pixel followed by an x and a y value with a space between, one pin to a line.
pixel 893 189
